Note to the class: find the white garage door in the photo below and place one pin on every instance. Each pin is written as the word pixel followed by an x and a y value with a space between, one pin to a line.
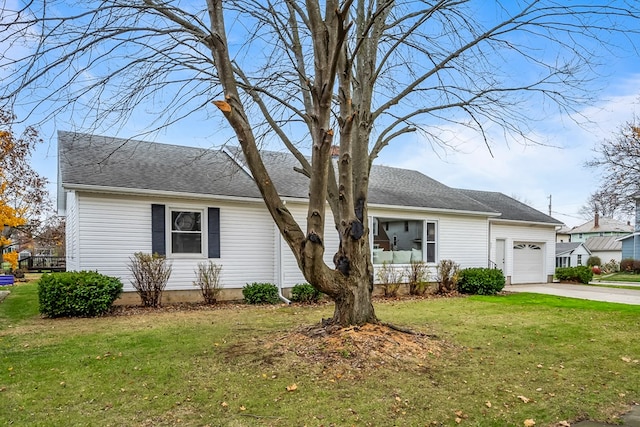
pixel 528 262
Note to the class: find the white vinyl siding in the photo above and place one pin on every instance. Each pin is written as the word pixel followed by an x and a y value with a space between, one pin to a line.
pixel 113 228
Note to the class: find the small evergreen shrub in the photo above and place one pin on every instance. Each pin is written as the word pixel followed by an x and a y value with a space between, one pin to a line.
pixel 305 293
pixel 593 261
pixel 481 281
pixel 260 293
pixel 77 293
pixel 580 274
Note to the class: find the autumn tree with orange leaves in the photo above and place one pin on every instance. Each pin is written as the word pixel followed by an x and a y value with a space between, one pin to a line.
pixel 23 193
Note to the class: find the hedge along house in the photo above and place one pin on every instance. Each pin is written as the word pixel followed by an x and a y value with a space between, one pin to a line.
pixel 193 205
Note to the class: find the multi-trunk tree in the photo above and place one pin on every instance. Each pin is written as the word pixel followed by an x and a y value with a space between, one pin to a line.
pixel 312 74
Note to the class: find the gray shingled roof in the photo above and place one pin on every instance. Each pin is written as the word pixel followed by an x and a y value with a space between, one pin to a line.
pixel 129 164
pixel 510 208
pixel 566 247
pixel 90 160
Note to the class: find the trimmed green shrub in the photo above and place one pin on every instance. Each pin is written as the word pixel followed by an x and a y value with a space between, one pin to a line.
pixel 580 274
pixel 481 281
pixel 593 261
pixel 77 293
pixel 260 293
pixel 305 293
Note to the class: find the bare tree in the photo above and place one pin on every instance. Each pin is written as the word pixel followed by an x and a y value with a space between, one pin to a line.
pixel 355 73
pixel 604 202
pixel 619 160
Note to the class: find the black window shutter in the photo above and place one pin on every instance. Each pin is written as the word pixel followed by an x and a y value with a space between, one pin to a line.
pixel 213 227
pixel 158 232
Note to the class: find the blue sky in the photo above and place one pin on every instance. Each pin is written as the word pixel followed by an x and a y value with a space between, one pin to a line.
pixel 531 173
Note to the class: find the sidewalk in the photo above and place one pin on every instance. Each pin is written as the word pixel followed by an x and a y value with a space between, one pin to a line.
pixel 594 293
pixel 630 419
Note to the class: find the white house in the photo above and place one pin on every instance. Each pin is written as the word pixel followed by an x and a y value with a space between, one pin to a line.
pixel 571 254
pixel 606 248
pixel 192 205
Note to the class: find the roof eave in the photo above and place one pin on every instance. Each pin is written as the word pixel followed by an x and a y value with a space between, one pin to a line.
pixel 149 192
pixel 522 222
pixel 439 210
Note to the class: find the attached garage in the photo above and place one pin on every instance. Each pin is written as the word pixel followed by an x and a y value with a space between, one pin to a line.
pixel 528 263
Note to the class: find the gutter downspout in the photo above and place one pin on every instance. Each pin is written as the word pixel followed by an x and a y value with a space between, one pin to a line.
pixel 279 267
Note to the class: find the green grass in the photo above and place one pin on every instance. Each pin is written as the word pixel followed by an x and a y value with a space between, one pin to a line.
pixel 620 277
pixel 570 359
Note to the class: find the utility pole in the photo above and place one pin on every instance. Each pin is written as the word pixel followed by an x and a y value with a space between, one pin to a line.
pixel 549 204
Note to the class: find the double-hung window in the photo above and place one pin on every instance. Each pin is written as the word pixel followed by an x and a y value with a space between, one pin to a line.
pixel 186 232
pixel 176 231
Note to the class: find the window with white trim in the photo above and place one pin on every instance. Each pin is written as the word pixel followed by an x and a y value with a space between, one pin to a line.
pixel 402 241
pixel 186 232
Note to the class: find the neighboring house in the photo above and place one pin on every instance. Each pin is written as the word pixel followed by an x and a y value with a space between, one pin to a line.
pixel 600 227
pixel 193 205
pixel 571 254
pixel 563 235
pixel 606 248
pixel 631 242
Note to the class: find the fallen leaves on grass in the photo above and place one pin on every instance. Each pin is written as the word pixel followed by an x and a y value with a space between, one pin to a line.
pixel 344 353
pixel 292 387
pixel 529 423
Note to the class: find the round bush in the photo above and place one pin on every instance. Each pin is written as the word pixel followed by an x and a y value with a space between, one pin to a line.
pixel 260 293
pixel 77 293
pixel 593 261
pixel 305 293
pixel 481 281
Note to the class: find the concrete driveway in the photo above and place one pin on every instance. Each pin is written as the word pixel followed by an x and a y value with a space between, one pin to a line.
pixel 595 293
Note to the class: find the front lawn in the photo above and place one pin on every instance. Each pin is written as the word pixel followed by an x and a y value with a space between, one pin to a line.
pixel 619 277
pixel 491 361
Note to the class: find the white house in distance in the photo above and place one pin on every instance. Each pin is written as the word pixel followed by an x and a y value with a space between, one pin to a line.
pixel 193 205
pixel 571 254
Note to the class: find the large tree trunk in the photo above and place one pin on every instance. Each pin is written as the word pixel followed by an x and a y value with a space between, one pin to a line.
pixel 353 305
